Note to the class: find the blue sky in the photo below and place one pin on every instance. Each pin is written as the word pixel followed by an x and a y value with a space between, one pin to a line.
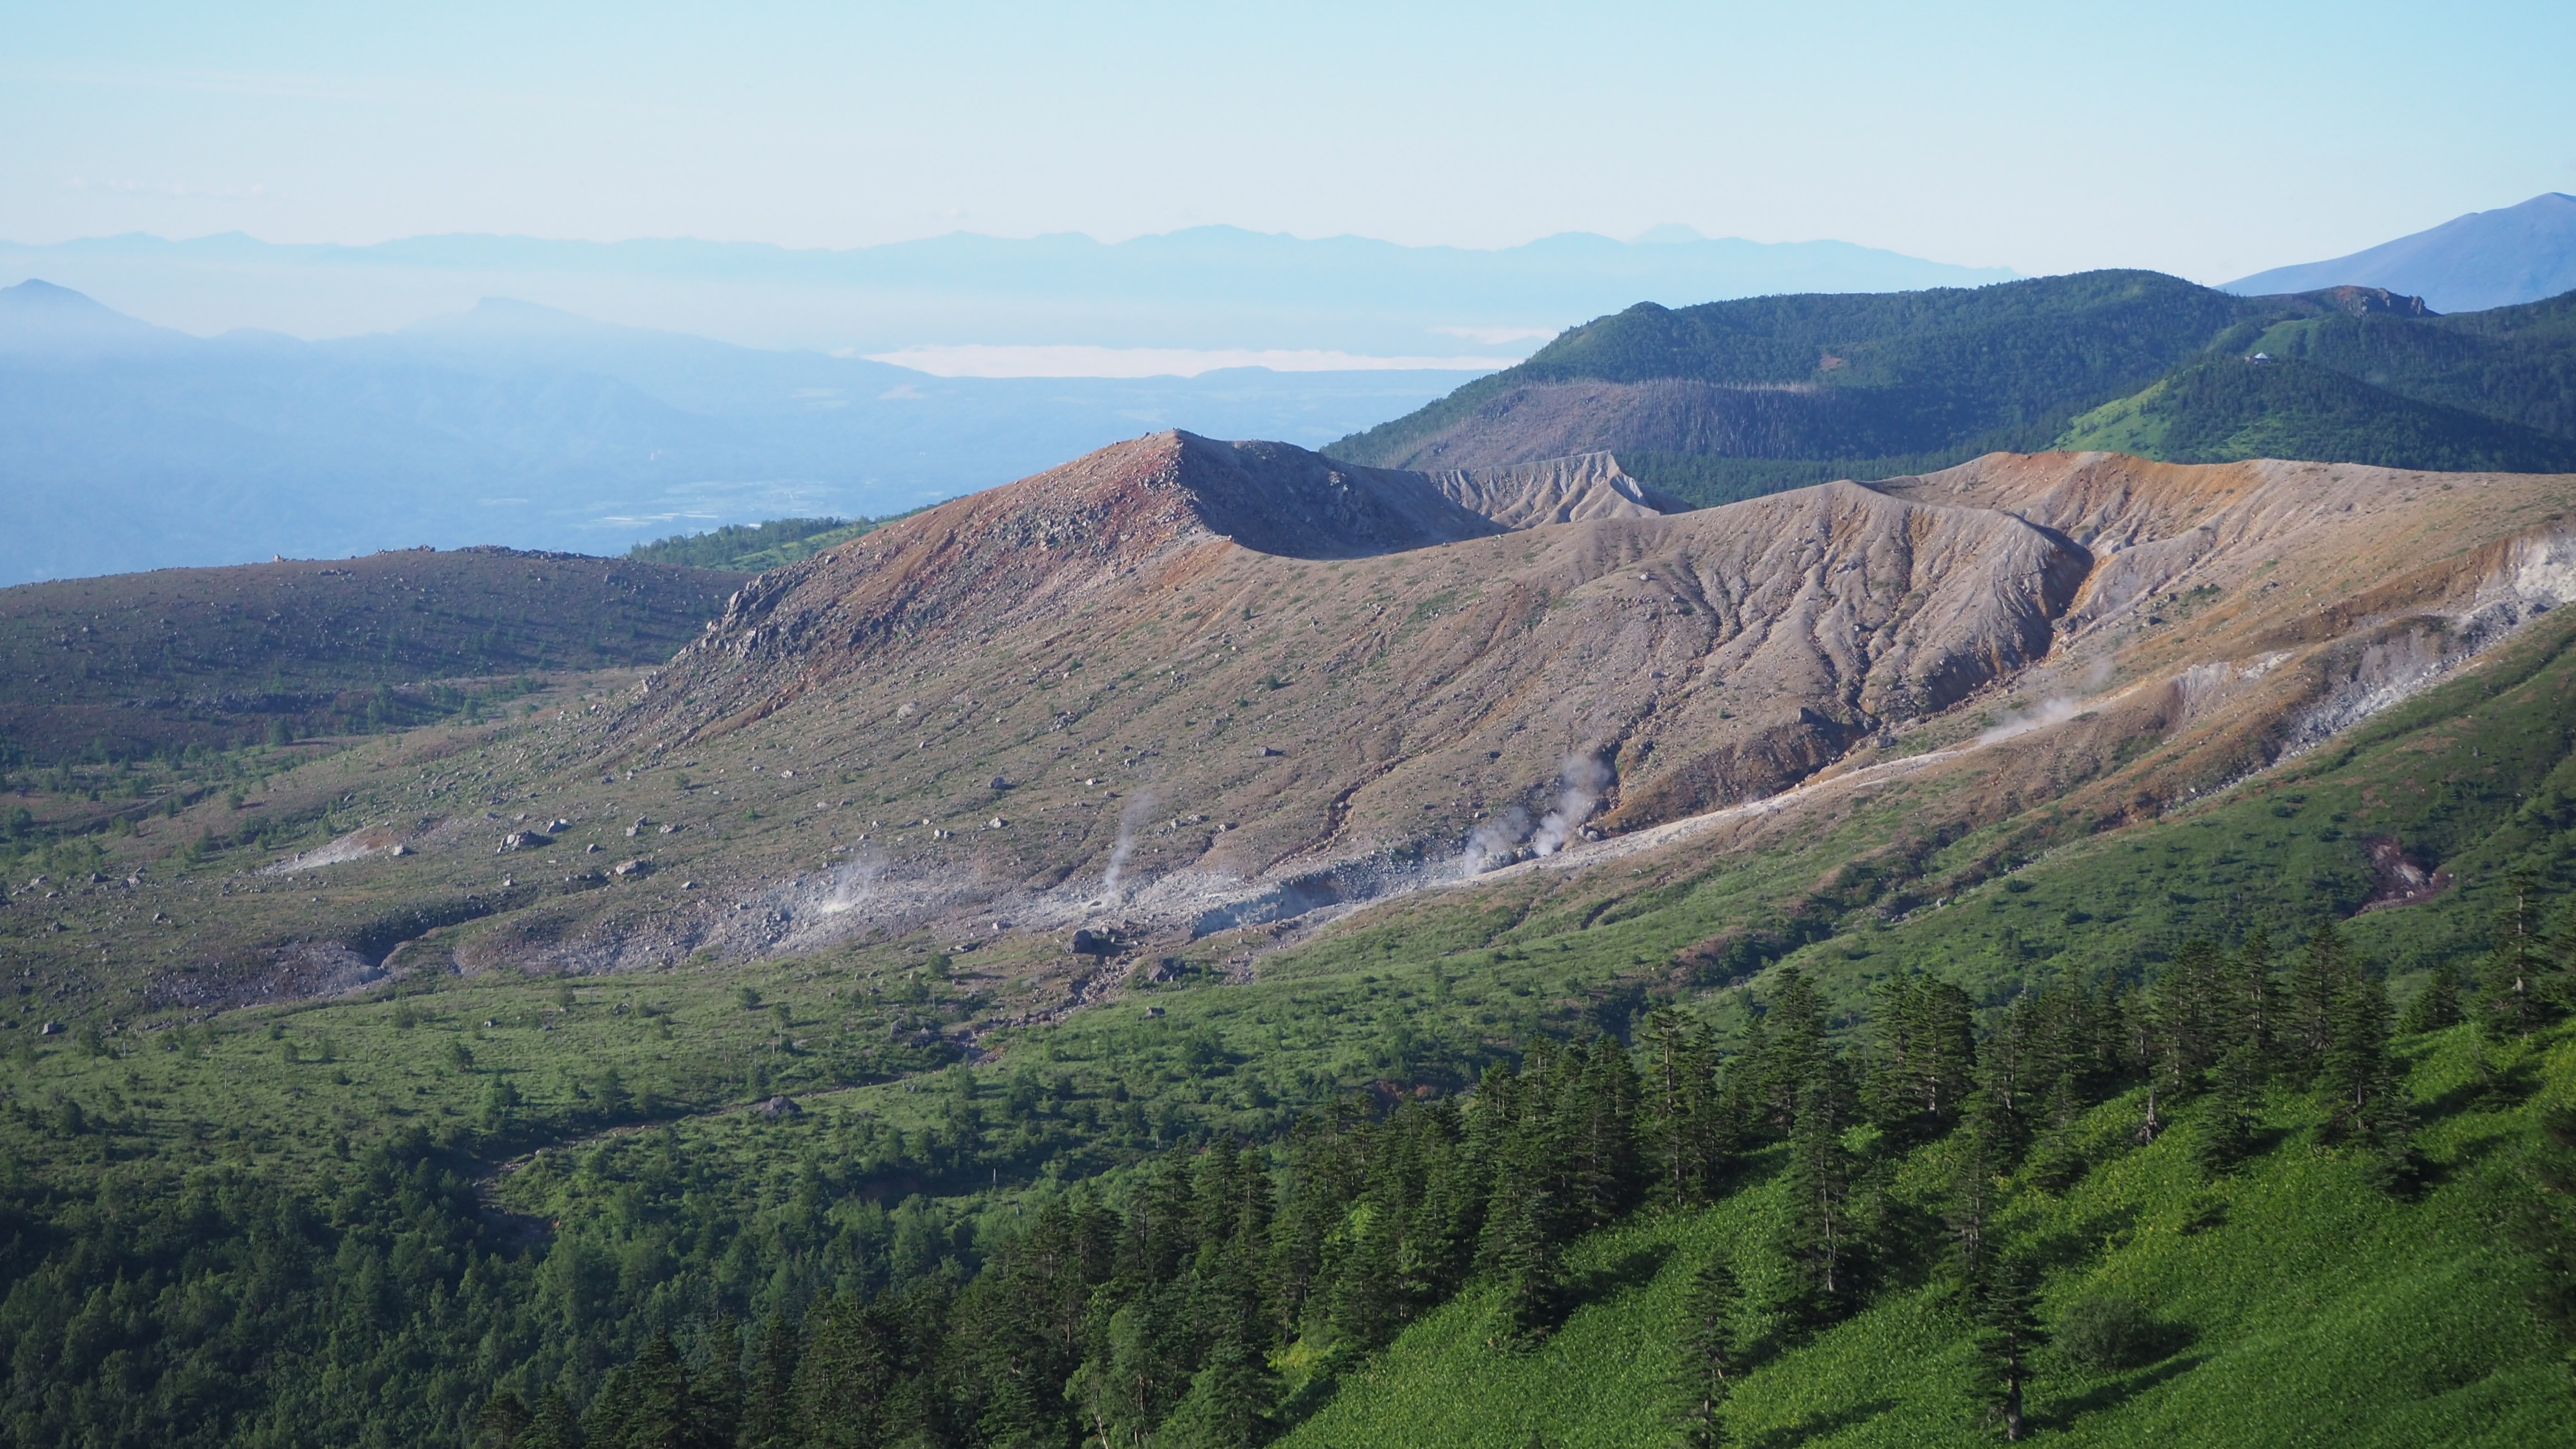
pixel 2207 140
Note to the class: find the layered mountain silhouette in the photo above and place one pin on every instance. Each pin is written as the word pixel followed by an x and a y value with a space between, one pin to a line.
pixel 2485 259
pixel 124 445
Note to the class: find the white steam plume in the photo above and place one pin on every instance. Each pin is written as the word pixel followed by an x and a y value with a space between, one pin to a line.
pixel 1495 842
pixel 1580 781
pixel 1128 819
pixel 2056 709
pixel 855 883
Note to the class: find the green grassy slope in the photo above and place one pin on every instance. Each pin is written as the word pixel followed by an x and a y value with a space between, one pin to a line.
pixel 2231 408
pixel 2304 1307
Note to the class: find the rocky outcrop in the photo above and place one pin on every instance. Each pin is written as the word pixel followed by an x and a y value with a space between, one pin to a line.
pixel 1582 489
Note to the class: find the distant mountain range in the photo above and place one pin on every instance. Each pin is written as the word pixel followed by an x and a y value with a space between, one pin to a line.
pixel 2467 264
pixel 1207 287
pixel 128 446
pixel 1734 399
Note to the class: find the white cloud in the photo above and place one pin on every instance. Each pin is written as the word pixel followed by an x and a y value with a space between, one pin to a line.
pixel 979 360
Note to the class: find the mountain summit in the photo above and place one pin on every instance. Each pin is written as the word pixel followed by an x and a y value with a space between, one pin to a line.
pixel 2467 264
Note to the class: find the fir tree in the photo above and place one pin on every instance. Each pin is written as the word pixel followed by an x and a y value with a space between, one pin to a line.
pixel 1228 1403
pixel 2234 1111
pixel 2250 1010
pixel 2515 1003
pixel 769 1405
pixel 648 1405
pixel 1970 1207
pixel 1820 1183
pixel 1523 1251
pixel 1688 1133
pixel 2317 981
pixel 1708 1354
pixel 2008 1337
pixel 847 1373
pixel 503 1419
pixel 552 1426
pixel 1599 1102
pixel 716 1392
pixel 1791 1048
pixel 1140 1369
pixel 2360 1079
pixel 2187 1003
pixel 2436 1006
pixel 1923 1057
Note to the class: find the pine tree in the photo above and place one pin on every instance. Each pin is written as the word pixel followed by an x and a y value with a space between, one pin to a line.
pixel 1970 1208
pixel 2188 1004
pixel 2251 1013
pixel 1708 1354
pixel 2317 981
pixel 1923 1057
pixel 552 1426
pixel 769 1406
pixel 2514 1003
pixel 2234 1112
pixel 1522 1249
pixel 2436 1006
pixel 2008 1336
pixel 1820 1189
pixel 503 1419
pixel 1228 1403
pixel 2360 1079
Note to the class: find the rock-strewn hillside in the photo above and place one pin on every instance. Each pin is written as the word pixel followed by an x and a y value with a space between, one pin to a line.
pixel 1180 687
pixel 1233 733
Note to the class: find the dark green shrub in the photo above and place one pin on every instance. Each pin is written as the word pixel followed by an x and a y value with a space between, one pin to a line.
pixel 2105 1333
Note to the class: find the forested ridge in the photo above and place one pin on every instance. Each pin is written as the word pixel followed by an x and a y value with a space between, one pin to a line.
pixel 1803 389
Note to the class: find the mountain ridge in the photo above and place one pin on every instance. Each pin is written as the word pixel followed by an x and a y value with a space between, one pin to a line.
pixel 1722 400
pixel 1222 287
pixel 2483 259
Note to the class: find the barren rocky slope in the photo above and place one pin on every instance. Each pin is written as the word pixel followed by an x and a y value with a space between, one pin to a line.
pixel 1190 733
pixel 1077 702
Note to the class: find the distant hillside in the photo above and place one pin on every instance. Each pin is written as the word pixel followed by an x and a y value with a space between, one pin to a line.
pixel 2515 364
pixel 2484 259
pixel 1732 399
pixel 756 547
pixel 2230 408
pixel 719 547
pixel 138 664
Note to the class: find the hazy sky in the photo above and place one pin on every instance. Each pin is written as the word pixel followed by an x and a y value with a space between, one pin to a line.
pixel 2209 140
